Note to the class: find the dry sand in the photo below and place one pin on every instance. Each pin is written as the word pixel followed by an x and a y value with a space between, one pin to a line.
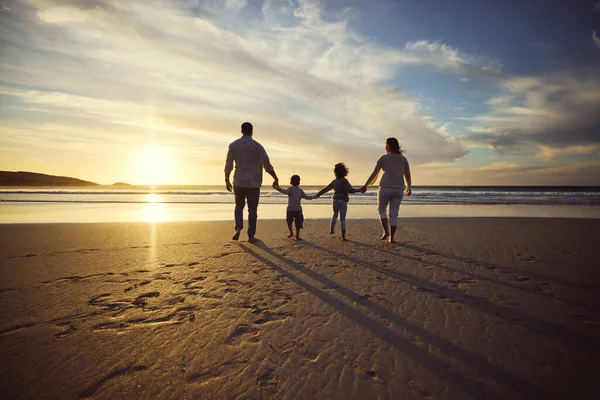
pixel 459 308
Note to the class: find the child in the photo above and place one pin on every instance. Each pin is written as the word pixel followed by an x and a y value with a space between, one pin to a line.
pixel 341 188
pixel 294 209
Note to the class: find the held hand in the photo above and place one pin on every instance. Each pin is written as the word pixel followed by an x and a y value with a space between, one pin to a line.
pixel 363 189
pixel 228 186
pixel 275 185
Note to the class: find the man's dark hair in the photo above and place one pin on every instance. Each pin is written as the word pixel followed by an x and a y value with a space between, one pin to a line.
pixel 247 128
pixel 295 180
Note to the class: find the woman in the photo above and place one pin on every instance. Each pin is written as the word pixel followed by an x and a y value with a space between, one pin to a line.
pixel 391 188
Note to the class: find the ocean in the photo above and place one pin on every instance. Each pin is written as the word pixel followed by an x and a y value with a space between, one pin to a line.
pixel 167 203
pixel 424 195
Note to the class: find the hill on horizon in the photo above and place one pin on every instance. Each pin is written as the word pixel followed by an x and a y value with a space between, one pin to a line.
pixel 23 178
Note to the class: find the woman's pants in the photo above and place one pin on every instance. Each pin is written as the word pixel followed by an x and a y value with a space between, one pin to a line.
pixel 341 207
pixel 392 197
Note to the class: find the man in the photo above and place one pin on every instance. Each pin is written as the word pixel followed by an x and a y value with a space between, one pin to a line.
pixel 250 159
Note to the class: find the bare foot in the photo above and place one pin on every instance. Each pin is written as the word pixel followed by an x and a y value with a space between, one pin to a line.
pixel 236 236
pixel 298 238
pixel 384 236
pixel 291 235
pixel 344 239
pixel 332 232
pixel 253 239
pixel 392 240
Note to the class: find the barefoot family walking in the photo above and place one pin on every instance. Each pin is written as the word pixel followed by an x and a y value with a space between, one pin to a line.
pixel 250 158
pixel 294 208
pixel 341 188
pixel 391 187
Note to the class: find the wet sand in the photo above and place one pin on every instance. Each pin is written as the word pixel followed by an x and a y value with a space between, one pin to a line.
pixel 458 308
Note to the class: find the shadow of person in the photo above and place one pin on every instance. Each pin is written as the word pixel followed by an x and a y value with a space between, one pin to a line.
pixel 548 329
pixel 445 371
pixel 470 261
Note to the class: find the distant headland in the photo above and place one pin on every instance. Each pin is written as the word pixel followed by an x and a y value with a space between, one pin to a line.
pixel 23 178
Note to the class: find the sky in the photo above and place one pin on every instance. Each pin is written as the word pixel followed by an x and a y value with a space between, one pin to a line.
pixel 153 91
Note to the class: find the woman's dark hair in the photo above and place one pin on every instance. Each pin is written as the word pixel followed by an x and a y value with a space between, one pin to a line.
pixel 394 145
pixel 295 180
pixel 340 170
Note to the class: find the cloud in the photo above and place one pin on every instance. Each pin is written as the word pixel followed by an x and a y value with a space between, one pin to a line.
pixel 503 173
pixel 196 71
pixel 596 39
pixel 444 57
pixel 235 4
pixel 549 153
pixel 185 74
pixel 551 112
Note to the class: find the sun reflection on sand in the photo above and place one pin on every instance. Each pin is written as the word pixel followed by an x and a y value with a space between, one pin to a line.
pixel 153 211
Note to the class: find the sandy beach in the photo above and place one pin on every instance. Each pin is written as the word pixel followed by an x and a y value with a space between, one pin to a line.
pixel 494 308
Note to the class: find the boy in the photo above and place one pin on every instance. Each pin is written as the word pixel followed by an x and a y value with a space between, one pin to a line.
pixel 294 209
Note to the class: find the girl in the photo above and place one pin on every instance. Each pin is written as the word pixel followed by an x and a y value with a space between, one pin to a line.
pixel 341 188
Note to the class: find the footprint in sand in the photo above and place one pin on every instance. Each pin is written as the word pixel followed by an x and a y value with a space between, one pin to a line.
pixel 363 299
pixel 98 300
pixel 243 330
pixel 141 299
pixel 273 316
pixel 373 375
pixel 109 325
pixel 460 283
pixel 68 330
pixel 420 289
pixel 91 391
pixel 235 282
pixel 517 278
pixel 267 380
pixel 584 319
pixel 192 283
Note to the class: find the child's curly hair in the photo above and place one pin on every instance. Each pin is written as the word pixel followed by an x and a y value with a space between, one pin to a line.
pixel 340 170
pixel 295 180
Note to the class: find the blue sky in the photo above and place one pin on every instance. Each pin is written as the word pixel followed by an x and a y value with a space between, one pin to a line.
pixel 153 91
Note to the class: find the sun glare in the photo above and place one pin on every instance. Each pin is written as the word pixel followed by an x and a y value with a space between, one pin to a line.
pixel 153 212
pixel 153 198
pixel 153 166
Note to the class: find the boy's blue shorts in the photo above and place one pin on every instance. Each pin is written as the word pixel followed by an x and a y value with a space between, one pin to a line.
pixel 295 215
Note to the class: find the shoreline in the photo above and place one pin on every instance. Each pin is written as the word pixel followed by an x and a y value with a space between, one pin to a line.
pixel 17 213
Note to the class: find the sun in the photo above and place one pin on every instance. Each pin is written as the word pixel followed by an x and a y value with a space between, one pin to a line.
pixel 153 166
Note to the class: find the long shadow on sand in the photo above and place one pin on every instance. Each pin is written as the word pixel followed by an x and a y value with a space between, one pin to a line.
pixel 530 322
pixel 439 367
pixel 471 261
pixel 495 267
